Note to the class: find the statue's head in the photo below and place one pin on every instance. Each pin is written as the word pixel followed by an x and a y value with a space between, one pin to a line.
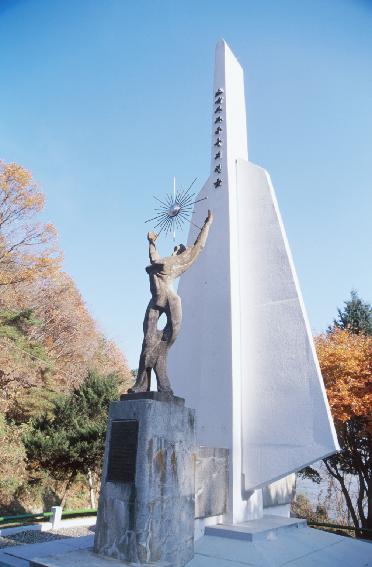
pixel 178 249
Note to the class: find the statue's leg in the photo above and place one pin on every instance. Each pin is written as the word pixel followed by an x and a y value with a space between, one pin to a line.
pixel 147 359
pixel 174 316
pixel 170 331
pixel 160 370
pixel 141 381
pixel 148 371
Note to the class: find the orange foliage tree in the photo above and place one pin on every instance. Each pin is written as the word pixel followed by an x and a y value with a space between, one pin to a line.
pixel 48 340
pixel 346 362
pixel 27 247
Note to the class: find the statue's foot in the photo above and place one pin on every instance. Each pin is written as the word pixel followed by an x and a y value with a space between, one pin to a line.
pixel 137 390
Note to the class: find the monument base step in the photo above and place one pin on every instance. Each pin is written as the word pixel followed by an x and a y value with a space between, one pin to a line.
pixel 268 527
pixel 86 558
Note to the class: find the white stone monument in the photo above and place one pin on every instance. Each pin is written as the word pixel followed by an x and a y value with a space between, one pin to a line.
pixel 245 360
pixel 245 357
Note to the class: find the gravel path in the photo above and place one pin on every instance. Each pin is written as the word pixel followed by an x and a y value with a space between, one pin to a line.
pixel 29 536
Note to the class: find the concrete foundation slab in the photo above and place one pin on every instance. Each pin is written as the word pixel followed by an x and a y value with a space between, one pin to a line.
pixel 9 561
pixel 85 558
pixel 293 548
pixel 267 527
pixel 305 547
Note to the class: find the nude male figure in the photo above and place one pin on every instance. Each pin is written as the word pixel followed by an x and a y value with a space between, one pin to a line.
pixel 156 343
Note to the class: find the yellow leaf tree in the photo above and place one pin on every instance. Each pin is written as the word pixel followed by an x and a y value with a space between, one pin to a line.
pixel 345 358
pixel 27 247
pixel 48 339
pixel 346 363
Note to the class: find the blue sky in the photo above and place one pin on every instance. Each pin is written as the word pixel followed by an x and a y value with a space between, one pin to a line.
pixel 105 100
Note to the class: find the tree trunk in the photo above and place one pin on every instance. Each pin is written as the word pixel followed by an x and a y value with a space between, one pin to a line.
pixel 367 523
pixel 349 502
pixel 91 489
pixel 67 488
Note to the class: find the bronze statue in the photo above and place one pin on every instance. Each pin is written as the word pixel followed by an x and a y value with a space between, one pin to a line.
pixel 156 343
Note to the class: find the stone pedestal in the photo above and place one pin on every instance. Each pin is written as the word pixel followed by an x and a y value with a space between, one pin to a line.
pixel 147 503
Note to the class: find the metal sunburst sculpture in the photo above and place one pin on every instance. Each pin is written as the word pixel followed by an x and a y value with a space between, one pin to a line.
pixel 175 210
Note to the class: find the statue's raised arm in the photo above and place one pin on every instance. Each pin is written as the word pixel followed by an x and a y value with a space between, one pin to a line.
pixel 186 258
pixel 153 253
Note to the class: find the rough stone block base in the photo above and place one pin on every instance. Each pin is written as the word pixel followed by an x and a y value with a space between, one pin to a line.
pixel 211 482
pixel 147 503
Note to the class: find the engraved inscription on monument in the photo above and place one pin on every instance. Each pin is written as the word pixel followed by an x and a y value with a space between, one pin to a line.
pixel 123 451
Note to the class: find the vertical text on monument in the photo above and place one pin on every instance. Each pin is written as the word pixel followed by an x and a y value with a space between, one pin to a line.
pixel 123 451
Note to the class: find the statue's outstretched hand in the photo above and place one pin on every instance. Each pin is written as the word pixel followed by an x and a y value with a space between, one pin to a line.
pixel 151 236
pixel 209 218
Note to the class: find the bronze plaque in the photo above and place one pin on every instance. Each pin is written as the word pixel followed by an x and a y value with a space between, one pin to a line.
pixel 123 451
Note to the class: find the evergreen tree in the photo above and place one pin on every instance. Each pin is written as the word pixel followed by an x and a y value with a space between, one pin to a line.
pixel 12 458
pixel 25 367
pixel 355 317
pixel 70 439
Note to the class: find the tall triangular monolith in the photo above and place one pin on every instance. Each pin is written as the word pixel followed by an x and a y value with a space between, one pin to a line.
pixel 245 358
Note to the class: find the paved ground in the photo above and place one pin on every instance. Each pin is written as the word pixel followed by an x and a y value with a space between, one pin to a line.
pixel 20 555
pixel 305 547
pixel 27 537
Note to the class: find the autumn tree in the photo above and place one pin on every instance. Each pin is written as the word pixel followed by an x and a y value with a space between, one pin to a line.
pixel 49 343
pixel 346 362
pixel 27 247
pixel 69 334
pixel 345 356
